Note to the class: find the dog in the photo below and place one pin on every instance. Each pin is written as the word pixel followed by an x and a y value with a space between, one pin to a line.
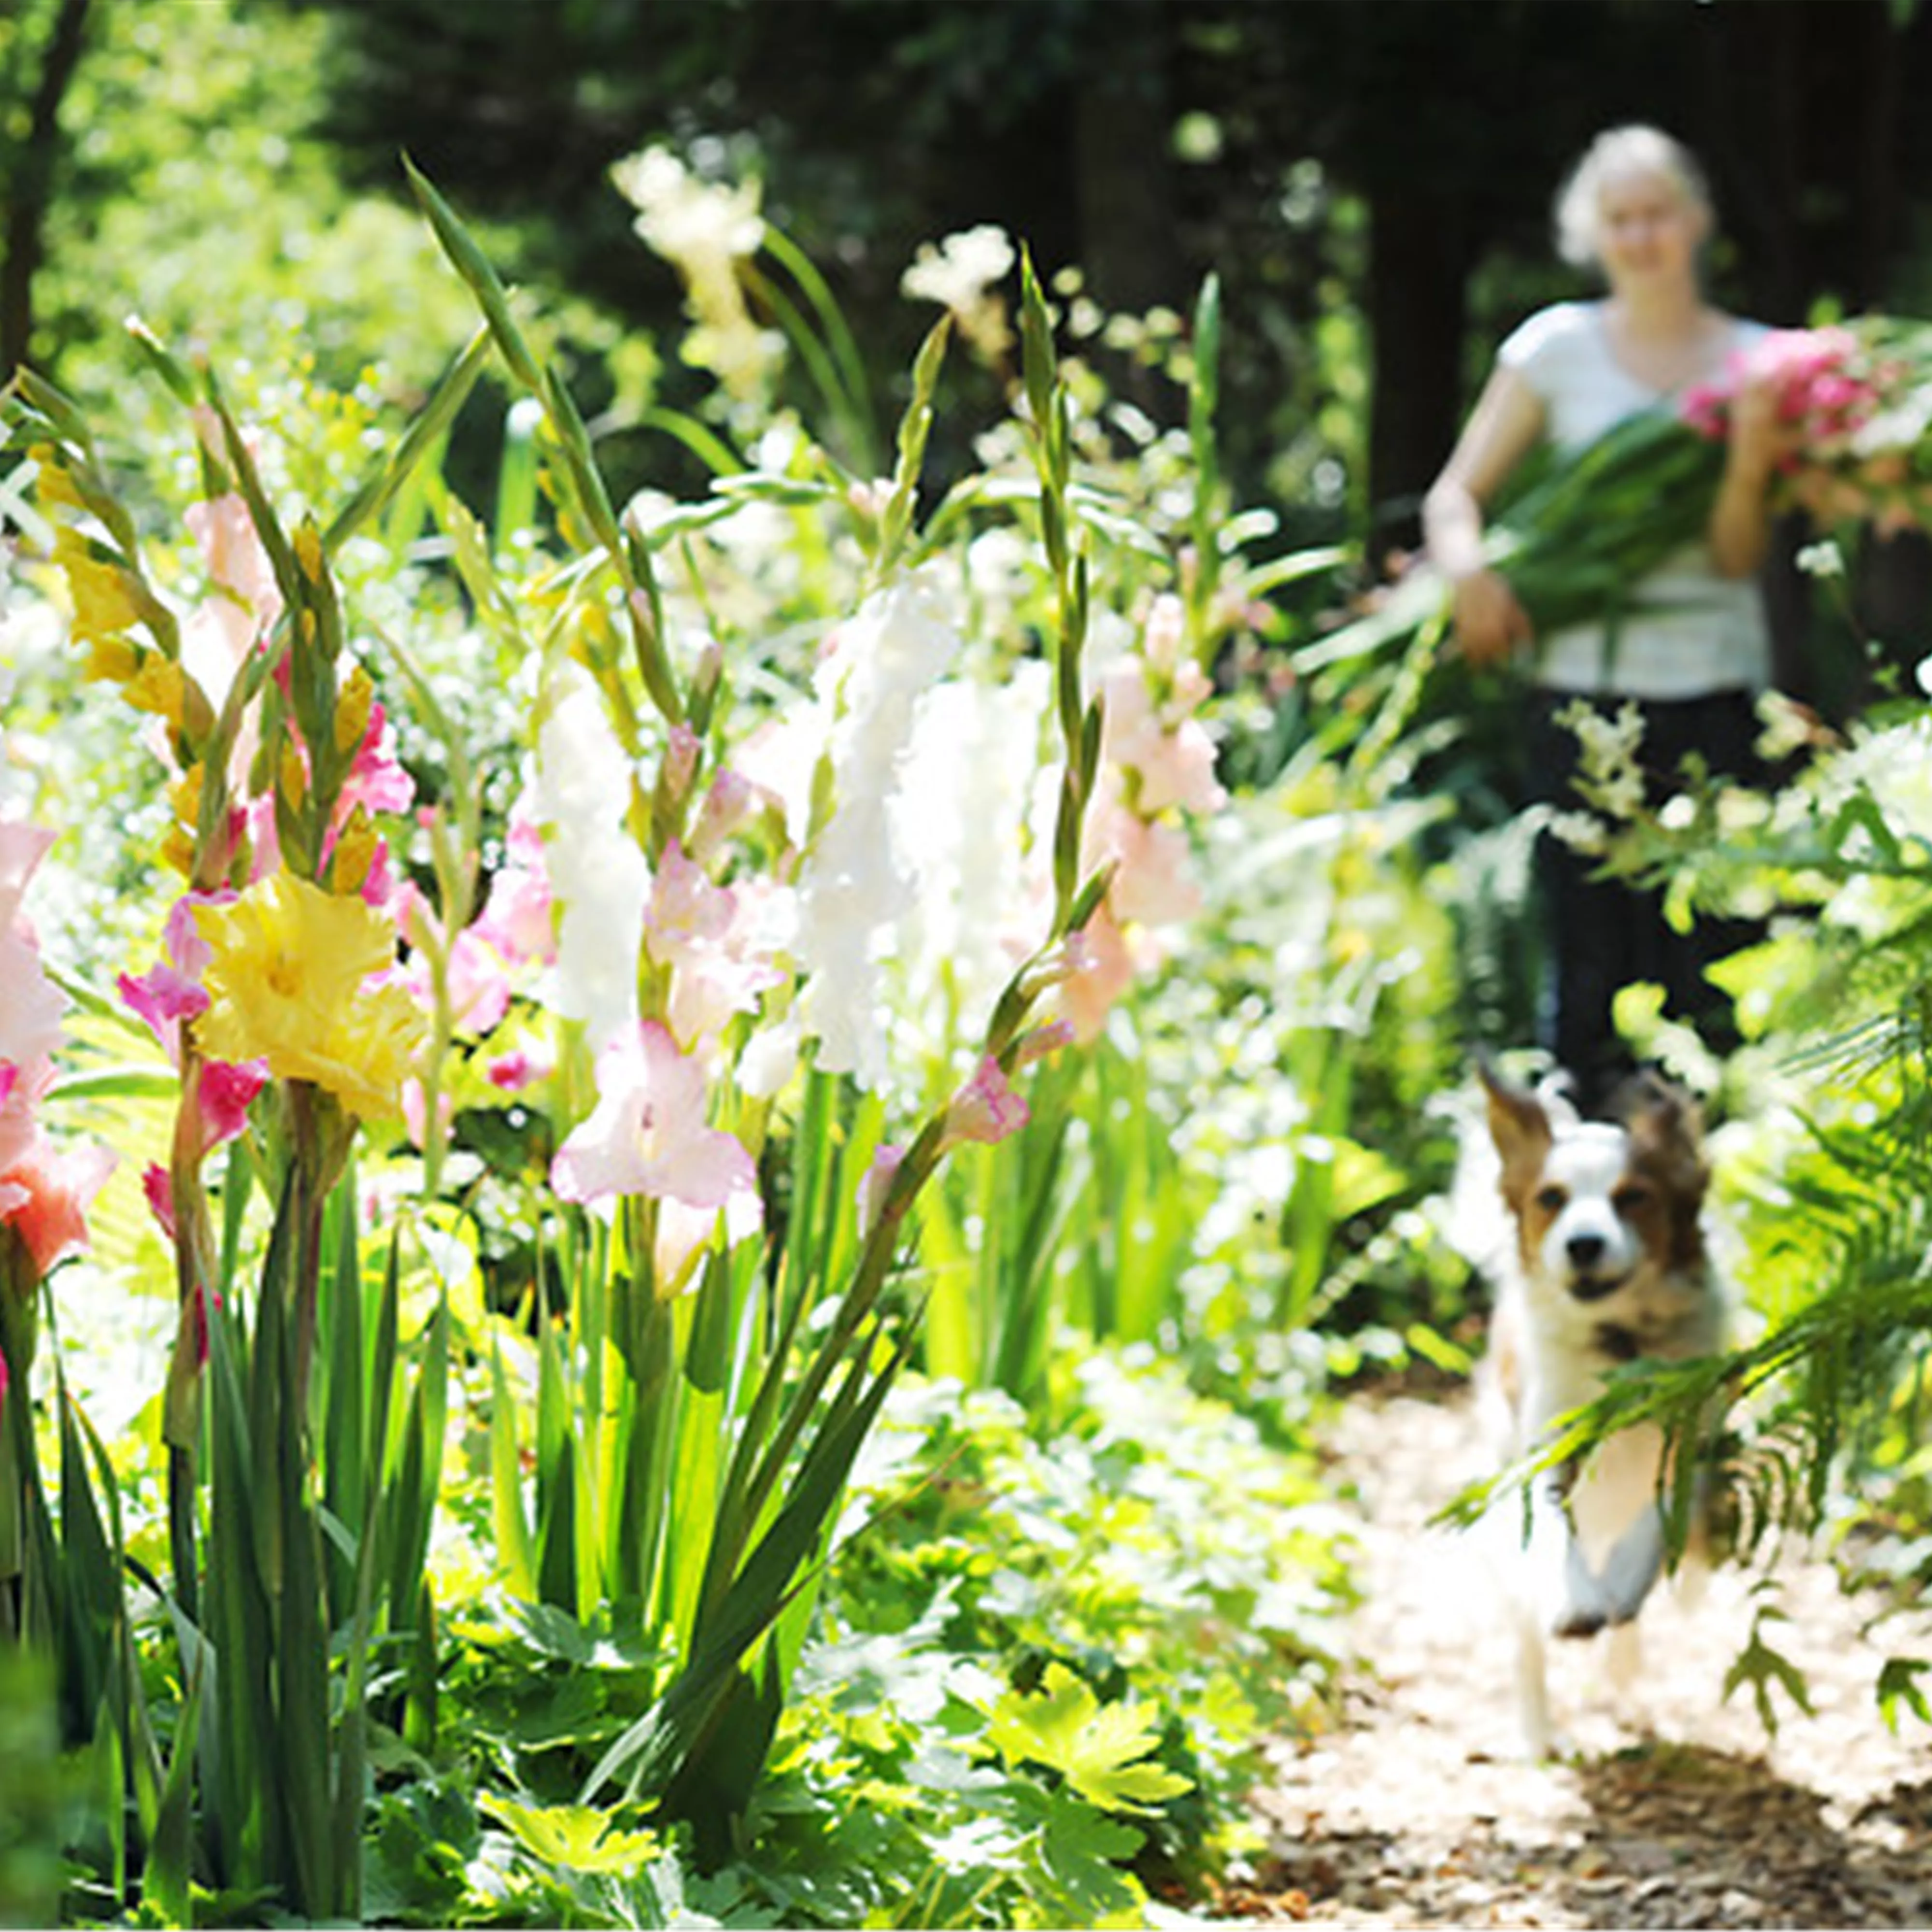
pixel 1606 1264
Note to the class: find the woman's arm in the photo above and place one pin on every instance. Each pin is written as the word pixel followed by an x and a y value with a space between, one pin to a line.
pixel 1502 428
pixel 1739 529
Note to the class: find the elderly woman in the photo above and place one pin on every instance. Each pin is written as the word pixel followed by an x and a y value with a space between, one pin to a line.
pixel 1690 646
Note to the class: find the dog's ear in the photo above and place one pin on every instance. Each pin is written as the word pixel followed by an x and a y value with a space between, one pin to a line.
pixel 1666 1133
pixel 1518 1124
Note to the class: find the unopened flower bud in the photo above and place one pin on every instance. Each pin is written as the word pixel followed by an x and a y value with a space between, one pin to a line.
pixel 292 776
pixel 308 550
pixel 356 852
pixel 352 706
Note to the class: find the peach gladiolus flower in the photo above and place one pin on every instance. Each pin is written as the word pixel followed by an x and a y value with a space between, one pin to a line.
pixel 44 1198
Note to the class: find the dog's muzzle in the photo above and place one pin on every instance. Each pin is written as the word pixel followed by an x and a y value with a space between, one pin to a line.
pixel 1585 1254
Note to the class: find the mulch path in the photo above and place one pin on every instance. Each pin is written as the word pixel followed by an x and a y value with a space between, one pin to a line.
pixel 1674 1808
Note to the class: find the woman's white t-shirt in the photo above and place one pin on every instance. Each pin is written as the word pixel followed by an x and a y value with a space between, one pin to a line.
pixel 1687 630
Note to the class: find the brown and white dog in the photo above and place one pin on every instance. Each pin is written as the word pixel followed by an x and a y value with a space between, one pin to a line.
pixel 1607 1266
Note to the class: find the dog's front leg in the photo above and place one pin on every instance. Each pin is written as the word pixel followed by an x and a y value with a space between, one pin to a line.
pixel 1568 1597
pixel 1633 1565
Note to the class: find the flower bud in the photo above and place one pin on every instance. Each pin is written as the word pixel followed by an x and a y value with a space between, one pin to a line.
pixel 353 707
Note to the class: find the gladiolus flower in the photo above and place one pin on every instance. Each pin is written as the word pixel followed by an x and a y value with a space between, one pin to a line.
pixel 157 1186
pixel 44 1198
pixel 647 1133
pixel 224 1095
pixel 1103 971
pixel 293 981
pixel 876 1184
pixel 986 1109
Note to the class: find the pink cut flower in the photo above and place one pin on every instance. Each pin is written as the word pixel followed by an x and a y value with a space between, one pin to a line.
pixel 479 984
pixel 986 1109
pixel 44 1198
pixel 685 907
pixel 647 1133
pixel 684 1233
pixel 416 1111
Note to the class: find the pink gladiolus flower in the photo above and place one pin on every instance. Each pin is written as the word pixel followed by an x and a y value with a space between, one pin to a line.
pixel 986 1109
pixel 170 990
pixel 1103 971
pixel 647 1133
pixel 225 1091
pixel 685 907
pixel 30 1003
pixel 23 847
pixel 376 780
pixel 684 1233
pixel 876 1184
pixel 479 984
pixel 416 1111
pixel 515 1070
pixel 157 1185
pixel 163 996
pixel 46 1199
pixel 1154 885
pixel 692 926
pixel 517 917
pixel 1175 766
pixel 730 800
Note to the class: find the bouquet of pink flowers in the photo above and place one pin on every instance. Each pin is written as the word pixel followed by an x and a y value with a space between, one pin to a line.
pixel 1855 402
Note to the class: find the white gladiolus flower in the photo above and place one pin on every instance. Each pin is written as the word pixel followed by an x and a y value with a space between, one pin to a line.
pixel 963 828
pixel 705 229
pixel 961 274
pixel 855 882
pixel 599 877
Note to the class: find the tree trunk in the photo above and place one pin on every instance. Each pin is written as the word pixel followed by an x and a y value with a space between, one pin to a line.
pixel 30 185
pixel 1417 309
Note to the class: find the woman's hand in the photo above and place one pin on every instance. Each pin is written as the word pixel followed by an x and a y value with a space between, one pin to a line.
pixel 1504 426
pixel 1490 622
pixel 1740 526
pixel 1757 439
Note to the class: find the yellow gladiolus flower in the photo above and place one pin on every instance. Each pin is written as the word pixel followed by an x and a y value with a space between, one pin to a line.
pixel 52 483
pixel 288 984
pixel 112 660
pixel 178 850
pixel 102 603
pixel 160 685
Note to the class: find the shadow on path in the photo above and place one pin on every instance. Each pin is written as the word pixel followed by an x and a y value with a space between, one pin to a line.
pixel 1674 1808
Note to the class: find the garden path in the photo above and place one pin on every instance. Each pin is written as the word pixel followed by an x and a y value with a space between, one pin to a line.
pixel 1676 1808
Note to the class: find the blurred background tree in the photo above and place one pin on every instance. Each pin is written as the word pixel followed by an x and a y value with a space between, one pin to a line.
pixel 1371 183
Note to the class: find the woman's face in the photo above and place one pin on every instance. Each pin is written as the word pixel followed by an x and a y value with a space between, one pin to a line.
pixel 1647 229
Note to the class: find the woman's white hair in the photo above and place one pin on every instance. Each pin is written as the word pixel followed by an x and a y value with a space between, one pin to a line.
pixel 1632 149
